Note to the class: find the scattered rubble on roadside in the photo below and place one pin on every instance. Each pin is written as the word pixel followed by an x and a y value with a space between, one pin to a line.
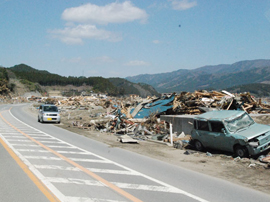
pixel 134 119
pixel 139 118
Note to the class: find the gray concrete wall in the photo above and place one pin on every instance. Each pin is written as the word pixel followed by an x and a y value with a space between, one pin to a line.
pixel 180 123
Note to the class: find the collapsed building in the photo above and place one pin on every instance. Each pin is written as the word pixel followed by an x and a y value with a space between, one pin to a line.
pixel 145 118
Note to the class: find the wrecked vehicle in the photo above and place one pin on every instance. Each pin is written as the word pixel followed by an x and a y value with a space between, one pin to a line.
pixel 232 131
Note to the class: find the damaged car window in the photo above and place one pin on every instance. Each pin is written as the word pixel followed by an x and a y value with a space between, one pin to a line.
pixel 238 123
pixel 203 125
pixel 216 126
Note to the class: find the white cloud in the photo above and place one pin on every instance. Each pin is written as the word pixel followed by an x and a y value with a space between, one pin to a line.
pixel 72 60
pixel 110 13
pixel 102 59
pixel 82 20
pixel 183 4
pixel 70 40
pixel 76 34
pixel 156 42
pixel 158 5
pixel 267 15
pixel 136 63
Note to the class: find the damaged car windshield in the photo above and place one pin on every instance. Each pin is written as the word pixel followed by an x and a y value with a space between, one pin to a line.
pixel 238 123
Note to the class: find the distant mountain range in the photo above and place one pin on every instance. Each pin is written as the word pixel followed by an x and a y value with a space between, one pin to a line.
pixel 216 77
pixel 244 76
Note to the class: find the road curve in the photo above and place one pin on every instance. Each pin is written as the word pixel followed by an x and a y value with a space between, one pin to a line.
pixel 71 167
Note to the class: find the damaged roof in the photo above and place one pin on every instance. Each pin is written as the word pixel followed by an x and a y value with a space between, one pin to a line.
pixel 156 107
pixel 219 115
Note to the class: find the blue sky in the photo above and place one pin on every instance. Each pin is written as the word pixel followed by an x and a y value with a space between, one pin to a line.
pixel 126 38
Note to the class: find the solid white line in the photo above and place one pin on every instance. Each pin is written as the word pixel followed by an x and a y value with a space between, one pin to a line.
pixel 54 167
pixel 19 137
pixel 44 141
pixel 7 134
pixel 89 160
pixel 38 135
pixel 42 138
pixel 44 158
pixel 26 145
pixel 148 187
pixel 84 199
pixel 94 170
pixel 65 147
pixel 71 152
pixel 75 181
pixel 58 159
pixel 120 172
pixel 33 150
pixel 19 140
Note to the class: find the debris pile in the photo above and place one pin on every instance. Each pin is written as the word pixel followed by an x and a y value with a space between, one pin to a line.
pixel 203 101
pixel 139 118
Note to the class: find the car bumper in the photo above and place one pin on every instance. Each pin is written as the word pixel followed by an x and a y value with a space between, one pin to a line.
pixel 257 150
pixel 51 118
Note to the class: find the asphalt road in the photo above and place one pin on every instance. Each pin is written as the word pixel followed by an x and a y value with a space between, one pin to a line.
pixel 41 162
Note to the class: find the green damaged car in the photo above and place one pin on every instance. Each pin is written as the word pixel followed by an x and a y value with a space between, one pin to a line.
pixel 232 131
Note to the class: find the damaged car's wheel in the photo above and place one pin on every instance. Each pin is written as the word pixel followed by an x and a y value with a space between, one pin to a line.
pixel 198 145
pixel 241 151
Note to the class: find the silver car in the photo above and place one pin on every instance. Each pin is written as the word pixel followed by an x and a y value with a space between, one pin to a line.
pixel 48 113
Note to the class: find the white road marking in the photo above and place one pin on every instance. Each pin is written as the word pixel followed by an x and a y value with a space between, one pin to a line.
pixel 120 185
pixel 75 181
pixel 71 152
pixel 42 141
pixel 19 140
pixel 44 158
pixel 43 138
pixel 73 159
pixel 50 186
pixel 26 145
pixel 40 134
pixel 18 137
pixel 90 160
pixel 33 150
pixel 147 187
pixel 84 199
pixel 53 167
pixel 61 197
pixel 94 170
pixel 65 147
pixel 120 172
pixel 9 134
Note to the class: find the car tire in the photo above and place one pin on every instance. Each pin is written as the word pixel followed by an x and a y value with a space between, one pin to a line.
pixel 198 145
pixel 241 151
pixel 38 119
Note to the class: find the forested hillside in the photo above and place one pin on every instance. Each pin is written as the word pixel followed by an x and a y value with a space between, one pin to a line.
pixel 5 88
pixel 33 78
pixel 126 87
pixel 255 89
pixel 45 78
